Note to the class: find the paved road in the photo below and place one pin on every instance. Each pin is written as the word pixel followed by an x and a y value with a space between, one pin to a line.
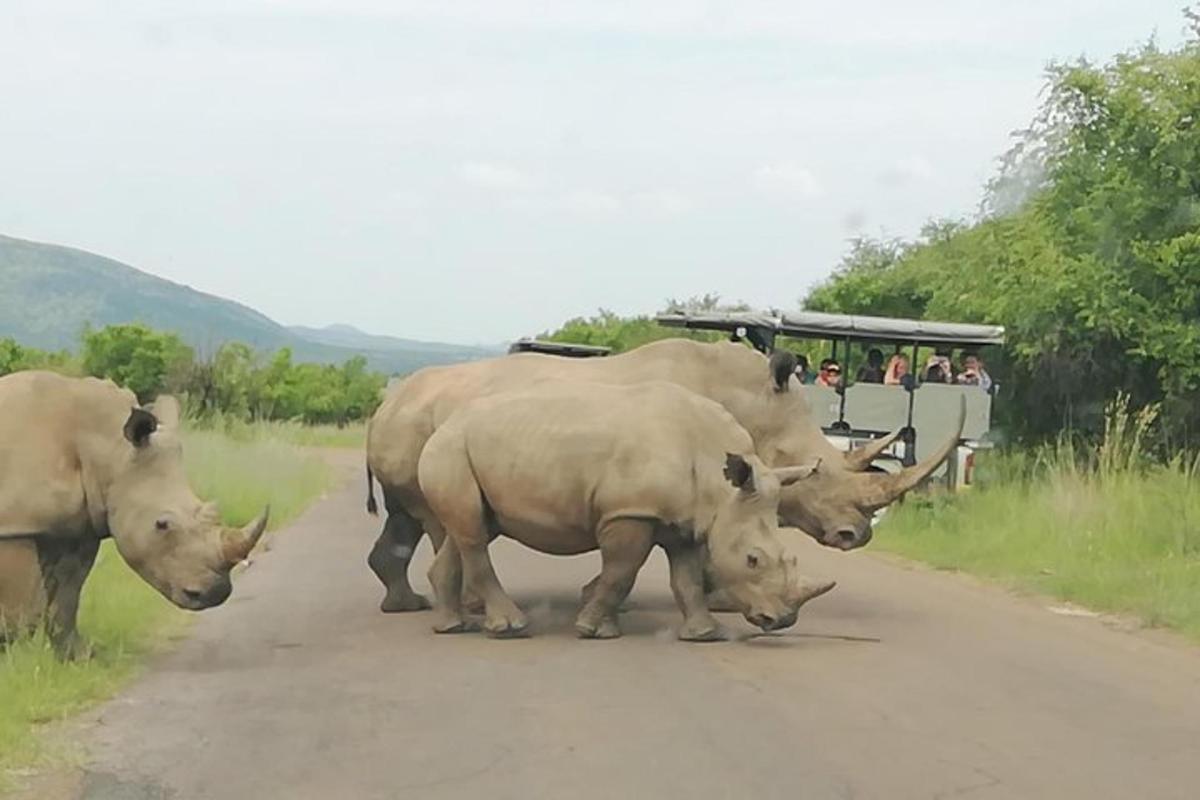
pixel 901 683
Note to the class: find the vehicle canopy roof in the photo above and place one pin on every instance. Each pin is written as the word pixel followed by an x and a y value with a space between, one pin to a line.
pixel 818 325
pixel 558 348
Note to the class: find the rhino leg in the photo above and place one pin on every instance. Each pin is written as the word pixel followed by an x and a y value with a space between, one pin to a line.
pixel 687 584
pixel 22 598
pixel 446 577
pixel 718 599
pixel 502 617
pixel 65 564
pixel 624 546
pixel 389 561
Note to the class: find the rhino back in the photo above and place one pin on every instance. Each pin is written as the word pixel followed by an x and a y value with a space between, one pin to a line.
pixel 573 455
pixel 56 434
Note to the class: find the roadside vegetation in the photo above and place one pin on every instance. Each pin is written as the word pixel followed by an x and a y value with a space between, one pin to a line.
pixel 235 384
pixel 1107 527
pixel 121 616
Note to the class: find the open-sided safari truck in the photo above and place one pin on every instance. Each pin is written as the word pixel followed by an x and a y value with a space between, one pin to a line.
pixel 855 413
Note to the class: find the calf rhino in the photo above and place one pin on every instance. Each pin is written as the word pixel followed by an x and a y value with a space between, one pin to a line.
pixel 570 467
pixel 834 506
pixel 79 462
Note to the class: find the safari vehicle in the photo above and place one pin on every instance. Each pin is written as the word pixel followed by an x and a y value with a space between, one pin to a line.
pixel 558 348
pixel 855 413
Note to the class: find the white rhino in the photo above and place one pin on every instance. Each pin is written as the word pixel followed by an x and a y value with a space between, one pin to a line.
pixel 834 506
pixel 79 462
pixel 570 467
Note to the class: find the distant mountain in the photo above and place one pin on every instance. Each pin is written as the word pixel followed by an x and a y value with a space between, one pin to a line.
pixel 49 293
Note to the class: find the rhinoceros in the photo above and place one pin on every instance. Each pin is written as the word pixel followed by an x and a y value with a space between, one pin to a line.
pixel 570 467
pixel 834 506
pixel 80 461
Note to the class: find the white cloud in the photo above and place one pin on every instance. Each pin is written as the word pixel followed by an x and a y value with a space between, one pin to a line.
pixel 662 203
pixel 787 176
pixel 594 204
pixel 495 176
pixel 910 169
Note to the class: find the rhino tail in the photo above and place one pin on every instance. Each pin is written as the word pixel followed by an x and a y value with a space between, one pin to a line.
pixel 372 506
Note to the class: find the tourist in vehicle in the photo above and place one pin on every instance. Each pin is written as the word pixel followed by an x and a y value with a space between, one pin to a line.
pixel 897 368
pixel 973 373
pixel 873 371
pixel 802 374
pixel 830 374
pixel 937 370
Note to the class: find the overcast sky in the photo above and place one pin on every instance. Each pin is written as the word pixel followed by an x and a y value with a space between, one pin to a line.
pixel 477 170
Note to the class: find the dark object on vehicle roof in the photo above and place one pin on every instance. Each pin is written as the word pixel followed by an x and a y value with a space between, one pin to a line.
pixel 558 348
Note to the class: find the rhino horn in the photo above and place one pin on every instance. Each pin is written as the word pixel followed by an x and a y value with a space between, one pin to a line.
pixel 236 543
pixel 809 589
pixel 882 488
pixel 860 458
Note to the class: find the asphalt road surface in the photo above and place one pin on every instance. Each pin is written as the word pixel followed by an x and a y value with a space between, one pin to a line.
pixel 901 683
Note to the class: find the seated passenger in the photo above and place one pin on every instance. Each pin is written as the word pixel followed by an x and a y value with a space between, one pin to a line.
pixel 897 368
pixel 973 373
pixel 937 370
pixel 873 371
pixel 802 374
pixel 830 374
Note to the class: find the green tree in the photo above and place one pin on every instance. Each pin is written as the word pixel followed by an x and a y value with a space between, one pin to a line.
pixel 143 360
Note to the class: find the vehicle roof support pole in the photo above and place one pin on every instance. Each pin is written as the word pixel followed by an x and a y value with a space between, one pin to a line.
pixel 909 435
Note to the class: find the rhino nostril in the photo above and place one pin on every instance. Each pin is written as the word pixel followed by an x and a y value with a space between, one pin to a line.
pixel 846 536
pixel 207 598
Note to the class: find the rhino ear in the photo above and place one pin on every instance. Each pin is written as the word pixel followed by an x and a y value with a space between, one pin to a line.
pixel 782 364
pixel 739 472
pixel 166 409
pixel 139 426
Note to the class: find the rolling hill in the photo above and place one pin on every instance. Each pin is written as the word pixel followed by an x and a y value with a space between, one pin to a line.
pixel 49 293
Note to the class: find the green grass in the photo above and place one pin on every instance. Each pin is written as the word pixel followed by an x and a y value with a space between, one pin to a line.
pixel 125 619
pixel 243 476
pixel 238 430
pixel 1108 533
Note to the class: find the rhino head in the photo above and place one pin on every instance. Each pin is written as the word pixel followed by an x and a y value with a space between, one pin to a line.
pixel 836 505
pixel 747 555
pixel 174 541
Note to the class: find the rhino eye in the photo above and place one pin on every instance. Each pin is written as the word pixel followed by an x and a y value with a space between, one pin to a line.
pixel 752 561
pixel 161 525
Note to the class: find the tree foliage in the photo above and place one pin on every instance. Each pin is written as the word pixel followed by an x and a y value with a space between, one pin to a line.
pixel 144 361
pixel 1088 250
pixel 236 381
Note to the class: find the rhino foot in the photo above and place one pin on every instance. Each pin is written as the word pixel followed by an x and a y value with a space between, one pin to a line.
pixel 454 625
pixel 410 601
pixel 507 626
pixel 72 647
pixel 607 628
pixel 701 630
pixel 473 605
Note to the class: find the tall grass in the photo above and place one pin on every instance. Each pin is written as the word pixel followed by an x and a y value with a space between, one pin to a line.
pixel 239 430
pixel 121 616
pixel 245 475
pixel 1104 527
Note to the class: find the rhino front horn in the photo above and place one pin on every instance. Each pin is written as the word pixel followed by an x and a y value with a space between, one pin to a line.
pixel 810 590
pixel 236 544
